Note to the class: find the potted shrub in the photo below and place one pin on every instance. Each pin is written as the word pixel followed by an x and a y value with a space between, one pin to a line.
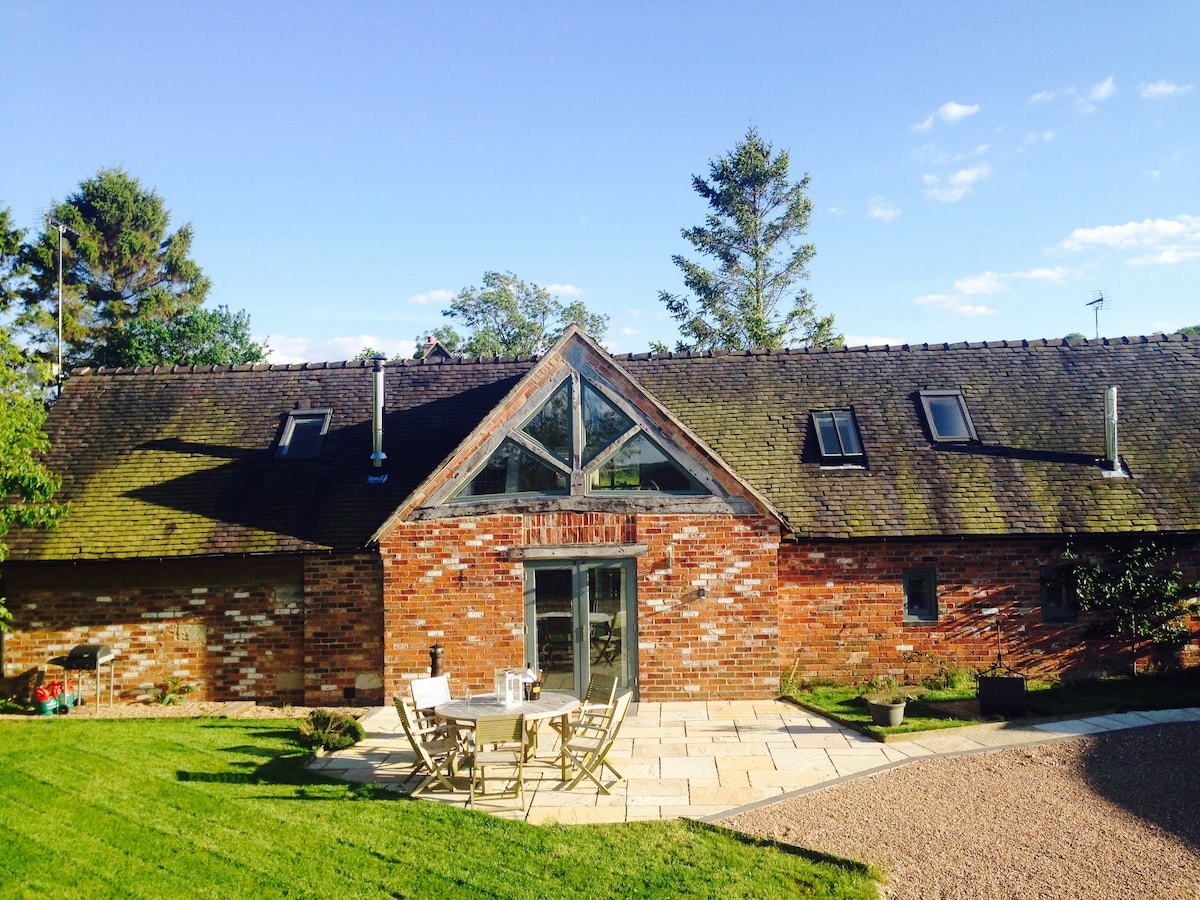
pixel 886 701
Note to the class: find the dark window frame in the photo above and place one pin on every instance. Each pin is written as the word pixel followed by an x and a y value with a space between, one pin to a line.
pixel 929 397
pixel 839 453
pixel 1060 599
pixel 310 446
pixel 927 611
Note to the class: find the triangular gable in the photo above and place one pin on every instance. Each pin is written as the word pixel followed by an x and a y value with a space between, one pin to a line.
pixel 576 359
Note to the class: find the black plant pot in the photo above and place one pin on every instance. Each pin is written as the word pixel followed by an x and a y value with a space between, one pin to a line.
pixel 1001 695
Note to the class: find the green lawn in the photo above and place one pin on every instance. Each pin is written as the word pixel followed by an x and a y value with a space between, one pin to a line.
pixel 1168 690
pixel 161 808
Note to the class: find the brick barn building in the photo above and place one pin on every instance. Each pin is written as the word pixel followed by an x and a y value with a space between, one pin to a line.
pixel 700 524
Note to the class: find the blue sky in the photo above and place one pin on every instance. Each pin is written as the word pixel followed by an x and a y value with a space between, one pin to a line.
pixel 978 171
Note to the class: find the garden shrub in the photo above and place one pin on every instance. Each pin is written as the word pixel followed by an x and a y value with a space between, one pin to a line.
pixel 326 730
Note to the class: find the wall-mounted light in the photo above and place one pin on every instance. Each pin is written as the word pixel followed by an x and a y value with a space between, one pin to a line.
pixel 670 554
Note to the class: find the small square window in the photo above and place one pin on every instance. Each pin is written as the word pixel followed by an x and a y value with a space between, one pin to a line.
pixel 946 413
pixel 920 595
pixel 837 435
pixel 1060 602
pixel 303 434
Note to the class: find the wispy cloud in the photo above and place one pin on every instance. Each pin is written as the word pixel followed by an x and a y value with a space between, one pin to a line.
pixel 439 296
pixel 987 283
pixel 1156 241
pixel 882 208
pixel 948 112
pixel 286 349
pixel 955 303
pixel 1036 137
pixel 1161 90
pixel 953 188
pixel 1085 101
pixel 563 290
pixel 1057 275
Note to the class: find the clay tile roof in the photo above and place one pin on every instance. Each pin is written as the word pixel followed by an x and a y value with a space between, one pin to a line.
pixel 167 462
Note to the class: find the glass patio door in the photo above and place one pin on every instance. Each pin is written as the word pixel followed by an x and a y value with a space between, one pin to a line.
pixel 577 618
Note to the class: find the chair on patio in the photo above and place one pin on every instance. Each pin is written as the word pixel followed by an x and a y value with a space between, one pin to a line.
pixel 429 692
pixel 436 745
pixel 596 700
pixel 499 743
pixel 587 744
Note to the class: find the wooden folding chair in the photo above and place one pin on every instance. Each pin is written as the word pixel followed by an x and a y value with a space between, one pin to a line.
pixel 587 744
pixel 436 746
pixel 429 692
pixel 596 700
pixel 499 742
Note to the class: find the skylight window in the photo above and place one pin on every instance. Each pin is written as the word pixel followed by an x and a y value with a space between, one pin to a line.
pixel 837 435
pixel 946 413
pixel 303 434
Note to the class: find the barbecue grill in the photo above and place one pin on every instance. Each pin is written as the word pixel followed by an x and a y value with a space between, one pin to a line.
pixel 89 658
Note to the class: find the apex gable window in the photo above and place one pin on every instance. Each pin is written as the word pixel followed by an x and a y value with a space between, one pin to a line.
pixel 303 434
pixel 838 437
pixel 946 413
pixel 920 595
pixel 1059 598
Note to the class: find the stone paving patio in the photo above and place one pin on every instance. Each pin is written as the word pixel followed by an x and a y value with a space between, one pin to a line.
pixel 705 760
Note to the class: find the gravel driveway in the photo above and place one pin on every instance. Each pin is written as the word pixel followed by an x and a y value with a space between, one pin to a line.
pixel 1114 816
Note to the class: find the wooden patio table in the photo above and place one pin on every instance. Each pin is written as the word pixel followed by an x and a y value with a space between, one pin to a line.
pixel 549 705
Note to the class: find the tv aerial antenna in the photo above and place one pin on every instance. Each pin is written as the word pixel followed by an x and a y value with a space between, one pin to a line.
pixel 1098 303
pixel 62 228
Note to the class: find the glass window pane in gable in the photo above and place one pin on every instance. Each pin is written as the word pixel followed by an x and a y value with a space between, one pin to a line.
pixel 603 423
pixel 550 426
pixel 514 470
pixel 641 465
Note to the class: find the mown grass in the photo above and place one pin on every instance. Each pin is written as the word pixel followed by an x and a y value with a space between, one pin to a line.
pixel 1168 690
pixel 163 808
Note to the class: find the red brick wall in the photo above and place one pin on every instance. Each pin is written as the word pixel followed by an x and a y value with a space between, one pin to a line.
pixel 343 630
pixel 842 611
pixel 451 581
pixel 231 629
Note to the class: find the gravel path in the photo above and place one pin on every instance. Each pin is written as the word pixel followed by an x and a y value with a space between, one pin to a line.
pixel 1114 816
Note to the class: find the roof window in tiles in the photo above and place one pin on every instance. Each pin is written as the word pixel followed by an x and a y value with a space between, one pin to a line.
pixel 303 434
pixel 837 435
pixel 946 413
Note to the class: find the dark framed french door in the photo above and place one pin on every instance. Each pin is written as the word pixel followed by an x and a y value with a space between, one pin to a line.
pixel 579 618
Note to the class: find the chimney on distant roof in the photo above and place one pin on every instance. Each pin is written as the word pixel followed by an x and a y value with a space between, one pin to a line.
pixel 378 473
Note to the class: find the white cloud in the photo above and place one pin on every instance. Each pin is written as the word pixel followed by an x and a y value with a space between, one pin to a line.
pixel 1160 90
pixel 1131 235
pixel 439 296
pixel 1043 96
pixel 1035 137
pixel 563 290
pixel 955 187
pixel 1057 275
pixel 1102 91
pixel 956 304
pixel 1166 257
pixel 873 340
pixel 301 349
pixel 882 208
pixel 949 112
pixel 626 331
pixel 987 283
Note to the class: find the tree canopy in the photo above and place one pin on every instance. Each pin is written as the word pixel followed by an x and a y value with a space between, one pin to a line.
pixel 510 317
pixel 120 265
pixel 197 336
pixel 752 297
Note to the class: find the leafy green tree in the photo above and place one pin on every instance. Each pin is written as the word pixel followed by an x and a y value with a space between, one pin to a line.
pixel 445 335
pixel 752 298
pixel 196 336
pixel 508 317
pixel 1074 336
pixel 1190 329
pixel 120 265
pixel 26 486
pixel 1143 596
pixel 12 267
